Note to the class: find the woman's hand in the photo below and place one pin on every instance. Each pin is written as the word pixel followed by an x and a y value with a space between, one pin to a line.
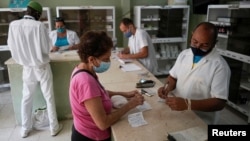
pixel 138 99
pixel 54 49
pixel 131 93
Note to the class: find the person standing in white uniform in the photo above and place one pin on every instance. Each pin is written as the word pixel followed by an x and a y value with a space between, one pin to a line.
pixel 140 45
pixel 199 79
pixel 28 41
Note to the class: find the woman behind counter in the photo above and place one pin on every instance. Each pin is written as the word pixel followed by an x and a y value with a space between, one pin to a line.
pixel 90 103
pixel 62 38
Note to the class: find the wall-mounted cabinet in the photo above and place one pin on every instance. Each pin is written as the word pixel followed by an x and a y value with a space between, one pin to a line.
pixel 168 28
pixel 7 15
pixel 233 44
pixel 85 18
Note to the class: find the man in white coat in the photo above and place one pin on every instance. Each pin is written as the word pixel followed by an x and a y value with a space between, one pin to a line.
pixel 199 79
pixel 140 46
pixel 28 41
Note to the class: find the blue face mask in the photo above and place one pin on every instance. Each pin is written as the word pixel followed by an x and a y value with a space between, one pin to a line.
pixel 128 34
pixel 199 52
pixel 104 66
pixel 60 30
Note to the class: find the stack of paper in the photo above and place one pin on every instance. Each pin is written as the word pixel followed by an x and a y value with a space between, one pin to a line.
pixel 124 61
pixel 130 67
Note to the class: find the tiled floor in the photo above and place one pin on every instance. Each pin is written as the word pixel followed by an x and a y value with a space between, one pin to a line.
pixel 9 131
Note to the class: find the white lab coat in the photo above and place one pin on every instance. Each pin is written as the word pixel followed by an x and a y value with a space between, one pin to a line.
pixel 137 42
pixel 209 79
pixel 72 37
pixel 28 41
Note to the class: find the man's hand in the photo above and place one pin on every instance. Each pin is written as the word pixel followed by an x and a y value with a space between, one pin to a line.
pixel 177 103
pixel 122 56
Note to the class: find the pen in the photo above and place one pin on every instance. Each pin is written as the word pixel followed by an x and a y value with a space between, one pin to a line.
pixel 145 92
pixel 164 88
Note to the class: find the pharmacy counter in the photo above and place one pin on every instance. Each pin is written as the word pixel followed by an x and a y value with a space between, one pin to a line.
pixel 62 65
pixel 160 119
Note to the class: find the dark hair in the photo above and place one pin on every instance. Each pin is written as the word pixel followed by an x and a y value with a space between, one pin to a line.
pixel 34 13
pixel 59 19
pixel 209 26
pixel 127 21
pixel 94 43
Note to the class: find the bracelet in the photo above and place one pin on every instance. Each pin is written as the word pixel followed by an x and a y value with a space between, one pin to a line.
pixel 189 104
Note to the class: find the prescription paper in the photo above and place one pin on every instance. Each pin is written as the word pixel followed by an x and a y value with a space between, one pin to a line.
pixel 136 119
pixel 130 67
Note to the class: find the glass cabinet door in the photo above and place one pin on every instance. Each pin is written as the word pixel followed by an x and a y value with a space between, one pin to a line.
pixel 150 20
pixel 82 20
pixel 170 24
pixel 239 34
pixel 5 18
pixel 239 89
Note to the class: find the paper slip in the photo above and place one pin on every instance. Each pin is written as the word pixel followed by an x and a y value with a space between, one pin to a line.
pixel 150 91
pixel 124 61
pixel 136 119
pixel 191 134
pixel 144 107
pixel 70 53
pixel 62 48
pixel 130 67
pixel 161 100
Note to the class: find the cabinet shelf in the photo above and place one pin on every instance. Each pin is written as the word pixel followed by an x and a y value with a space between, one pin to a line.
pixel 10 14
pixel 223 35
pixel 245 85
pixel 168 40
pixel 151 28
pixel 89 17
pixel 243 108
pixel 3 34
pixel 220 23
pixel 4 24
pixel 168 28
pixel 4 86
pixel 235 50
pixel 234 55
pixel 166 58
pixel 4 48
pixel 150 19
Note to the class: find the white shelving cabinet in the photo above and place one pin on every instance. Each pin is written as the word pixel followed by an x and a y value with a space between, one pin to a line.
pixel 7 15
pixel 233 44
pixel 85 18
pixel 168 28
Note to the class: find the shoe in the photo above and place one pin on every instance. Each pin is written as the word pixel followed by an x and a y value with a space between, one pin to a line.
pixel 25 133
pixel 55 132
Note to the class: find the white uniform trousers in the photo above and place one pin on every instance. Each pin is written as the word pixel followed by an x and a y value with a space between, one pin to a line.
pixel 32 76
